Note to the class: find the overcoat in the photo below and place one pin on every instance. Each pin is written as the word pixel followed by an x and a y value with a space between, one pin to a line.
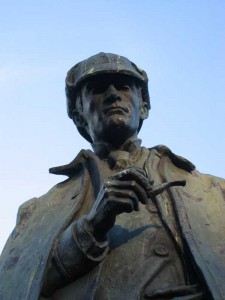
pixel 199 209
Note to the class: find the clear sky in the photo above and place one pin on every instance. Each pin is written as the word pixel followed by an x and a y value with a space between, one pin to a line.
pixel 180 44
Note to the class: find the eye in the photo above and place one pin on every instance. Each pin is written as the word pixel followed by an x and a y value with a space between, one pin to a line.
pixel 96 87
pixel 125 87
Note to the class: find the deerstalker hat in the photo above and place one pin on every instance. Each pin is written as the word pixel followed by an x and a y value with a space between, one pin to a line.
pixel 102 63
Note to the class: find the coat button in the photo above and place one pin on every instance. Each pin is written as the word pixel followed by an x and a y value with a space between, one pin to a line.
pixel 161 250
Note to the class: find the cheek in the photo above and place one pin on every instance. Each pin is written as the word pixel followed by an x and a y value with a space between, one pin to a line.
pixel 136 113
pixel 88 107
pixel 135 105
pixel 94 115
pixel 95 103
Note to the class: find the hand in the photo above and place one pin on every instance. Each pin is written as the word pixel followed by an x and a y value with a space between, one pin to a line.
pixel 120 193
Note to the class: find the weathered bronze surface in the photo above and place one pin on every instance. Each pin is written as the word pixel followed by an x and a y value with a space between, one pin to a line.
pixel 129 222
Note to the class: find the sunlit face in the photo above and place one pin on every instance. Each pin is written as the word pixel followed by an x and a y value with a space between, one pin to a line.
pixel 112 106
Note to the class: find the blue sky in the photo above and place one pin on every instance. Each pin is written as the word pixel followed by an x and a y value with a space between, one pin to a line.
pixel 180 44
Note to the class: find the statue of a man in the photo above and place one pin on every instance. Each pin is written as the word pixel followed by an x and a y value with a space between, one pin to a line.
pixel 123 225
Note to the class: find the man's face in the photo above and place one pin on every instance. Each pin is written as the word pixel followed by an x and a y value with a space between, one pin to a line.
pixel 112 106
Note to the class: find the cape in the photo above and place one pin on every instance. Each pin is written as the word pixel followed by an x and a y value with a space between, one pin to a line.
pixel 199 209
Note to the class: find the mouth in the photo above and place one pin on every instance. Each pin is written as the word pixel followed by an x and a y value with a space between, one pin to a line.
pixel 115 110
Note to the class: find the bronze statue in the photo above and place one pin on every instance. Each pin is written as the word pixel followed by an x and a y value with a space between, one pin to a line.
pixel 129 222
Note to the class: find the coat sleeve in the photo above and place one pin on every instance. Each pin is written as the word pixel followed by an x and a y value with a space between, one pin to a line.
pixel 24 213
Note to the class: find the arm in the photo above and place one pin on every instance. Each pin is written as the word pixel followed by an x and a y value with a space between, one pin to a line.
pixel 84 243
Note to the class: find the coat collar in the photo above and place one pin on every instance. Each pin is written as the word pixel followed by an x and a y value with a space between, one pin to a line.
pixel 74 166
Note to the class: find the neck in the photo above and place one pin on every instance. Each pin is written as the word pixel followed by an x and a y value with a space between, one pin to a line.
pixel 102 149
pixel 116 138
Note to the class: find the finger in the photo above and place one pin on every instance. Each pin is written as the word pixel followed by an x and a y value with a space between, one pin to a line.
pixel 116 197
pixel 120 205
pixel 134 174
pixel 131 185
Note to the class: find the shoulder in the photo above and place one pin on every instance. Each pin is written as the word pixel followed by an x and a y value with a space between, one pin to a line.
pixel 58 192
pixel 26 209
pixel 163 152
pixel 173 166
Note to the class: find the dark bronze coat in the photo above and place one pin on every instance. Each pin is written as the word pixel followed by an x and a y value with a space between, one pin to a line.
pixel 199 208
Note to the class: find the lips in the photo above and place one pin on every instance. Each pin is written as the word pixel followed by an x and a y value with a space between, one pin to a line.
pixel 115 109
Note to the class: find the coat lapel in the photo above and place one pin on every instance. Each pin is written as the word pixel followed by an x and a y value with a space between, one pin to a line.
pixel 199 208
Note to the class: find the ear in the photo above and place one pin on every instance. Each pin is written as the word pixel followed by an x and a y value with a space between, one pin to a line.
pixel 78 119
pixel 144 110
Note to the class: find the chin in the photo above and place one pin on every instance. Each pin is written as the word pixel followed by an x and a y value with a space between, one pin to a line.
pixel 117 130
pixel 117 120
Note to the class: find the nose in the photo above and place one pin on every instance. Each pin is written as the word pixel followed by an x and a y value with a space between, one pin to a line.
pixel 112 94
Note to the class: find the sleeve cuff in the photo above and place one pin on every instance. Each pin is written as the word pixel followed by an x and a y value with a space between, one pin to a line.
pixel 86 242
pixel 77 250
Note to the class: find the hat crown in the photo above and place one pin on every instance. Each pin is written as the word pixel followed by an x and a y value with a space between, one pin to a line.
pixel 103 63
